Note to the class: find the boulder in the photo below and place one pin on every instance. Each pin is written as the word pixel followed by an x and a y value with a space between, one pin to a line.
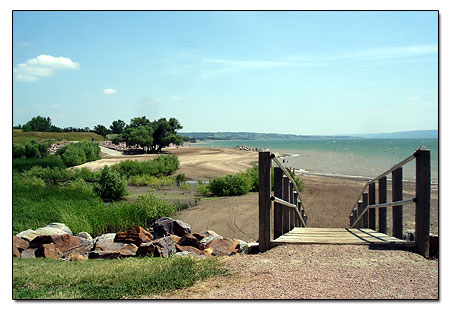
pixel 243 247
pixel 63 242
pixel 49 231
pixel 224 246
pixel 136 235
pixel 60 226
pixel 199 236
pixel 86 236
pixel 18 245
pixel 106 242
pixel 163 247
pixel 166 226
pixel 187 248
pixel 28 235
pixel 186 253
pixel 253 248
pixel 76 257
pixel 28 253
pixel 48 250
pixel 210 235
pixel 127 250
pixel 190 240
pixel 175 238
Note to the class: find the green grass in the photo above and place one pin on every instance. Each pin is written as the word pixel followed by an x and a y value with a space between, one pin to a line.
pixel 108 279
pixel 23 164
pixel 20 137
pixel 76 205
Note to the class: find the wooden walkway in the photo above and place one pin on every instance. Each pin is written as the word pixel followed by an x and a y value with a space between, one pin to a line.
pixel 363 236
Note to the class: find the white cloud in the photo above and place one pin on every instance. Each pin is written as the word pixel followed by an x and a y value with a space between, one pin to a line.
pixel 42 66
pixel 109 91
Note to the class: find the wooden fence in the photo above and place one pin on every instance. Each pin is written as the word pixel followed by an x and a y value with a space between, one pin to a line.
pixel 288 210
pixel 363 214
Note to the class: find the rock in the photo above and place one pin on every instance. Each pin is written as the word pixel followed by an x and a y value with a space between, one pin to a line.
pixel 253 248
pixel 210 236
pixel 199 236
pixel 28 253
pixel 85 235
pixel 243 247
pixel 224 246
pixel 221 252
pixel 63 242
pixel 187 248
pixel 76 257
pixel 60 226
pixel 433 246
pixel 18 246
pixel 136 235
pixel 49 231
pixel 28 235
pixel 166 226
pixel 174 238
pixel 48 250
pixel 208 251
pixel 127 250
pixel 186 253
pixel 163 247
pixel 190 240
pixel 106 242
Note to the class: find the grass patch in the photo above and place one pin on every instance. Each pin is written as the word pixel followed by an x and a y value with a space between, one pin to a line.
pixel 108 279
pixel 151 181
pixel 80 208
pixel 21 137
pixel 162 165
pixel 23 164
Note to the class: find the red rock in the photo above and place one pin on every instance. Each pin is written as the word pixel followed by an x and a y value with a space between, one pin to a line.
pixel 187 248
pixel 63 242
pixel 190 240
pixel 48 250
pixel 225 246
pixel 199 236
pixel 136 235
pixel 18 245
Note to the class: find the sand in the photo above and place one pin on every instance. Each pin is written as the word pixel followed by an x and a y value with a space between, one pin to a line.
pixel 328 200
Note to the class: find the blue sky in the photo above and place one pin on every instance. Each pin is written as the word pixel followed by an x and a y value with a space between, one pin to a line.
pixel 284 72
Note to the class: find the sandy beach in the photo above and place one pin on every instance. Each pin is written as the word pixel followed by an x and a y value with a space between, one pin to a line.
pixel 328 200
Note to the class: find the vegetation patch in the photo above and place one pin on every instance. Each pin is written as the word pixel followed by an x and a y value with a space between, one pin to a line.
pixel 24 164
pixel 162 165
pixel 20 137
pixel 108 279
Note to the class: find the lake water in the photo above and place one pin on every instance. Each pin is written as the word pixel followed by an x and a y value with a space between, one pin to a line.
pixel 347 157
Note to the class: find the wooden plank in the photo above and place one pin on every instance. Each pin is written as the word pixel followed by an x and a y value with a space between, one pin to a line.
pixel 364 204
pixel 295 202
pixel 383 199
pixel 264 200
pixel 285 210
pixel 372 201
pixel 422 213
pixel 291 211
pixel 396 194
pixel 277 207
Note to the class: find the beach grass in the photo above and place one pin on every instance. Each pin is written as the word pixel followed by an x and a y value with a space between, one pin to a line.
pixel 127 278
pixel 21 137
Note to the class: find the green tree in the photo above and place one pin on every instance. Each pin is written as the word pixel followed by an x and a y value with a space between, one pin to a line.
pixel 117 126
pixel 111 186
pixel 101 130
pixel 38 123
pixel 139 121
pixel 165 133
pixel 141 136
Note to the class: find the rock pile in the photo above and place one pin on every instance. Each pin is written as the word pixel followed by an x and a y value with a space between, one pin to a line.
pixel 249 148
pixel 118 147
pixel 56 146
pixel 167 237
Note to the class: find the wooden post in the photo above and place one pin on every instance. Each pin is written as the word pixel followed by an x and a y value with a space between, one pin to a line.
pixel 277 207
pixel 285 210
pixel 422 212
pixel 396 195
pixel 364 205
pixel 295 202
pixel 383 199
pixel 291 211
pixel 372 201
pixel 354 217
pixel 264 200
pixel 303 215
pixel 359 211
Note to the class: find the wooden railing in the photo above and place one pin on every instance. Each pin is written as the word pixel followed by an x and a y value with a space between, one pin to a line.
pixel 288 206
pixel 363 215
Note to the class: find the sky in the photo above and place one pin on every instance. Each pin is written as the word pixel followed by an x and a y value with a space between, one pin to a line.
pixel 296 72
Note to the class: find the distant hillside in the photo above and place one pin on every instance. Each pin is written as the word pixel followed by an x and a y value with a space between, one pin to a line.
pixel 415 134
pixel 251 136
pixel 21 137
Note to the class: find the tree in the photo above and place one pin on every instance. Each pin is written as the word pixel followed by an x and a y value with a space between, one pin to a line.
pixel 117 126
pixel 139 121
pixel 38 123
pixel 165 133
pixel 101 130
pixel 141 136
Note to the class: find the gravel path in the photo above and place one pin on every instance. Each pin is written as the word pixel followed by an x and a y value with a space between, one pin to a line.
pixel 321 272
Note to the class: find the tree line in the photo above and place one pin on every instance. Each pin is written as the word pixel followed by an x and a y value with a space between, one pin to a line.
pixel 152 136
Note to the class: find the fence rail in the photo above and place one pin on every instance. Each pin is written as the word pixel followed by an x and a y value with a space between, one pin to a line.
pixel 363 215
pixel 288 209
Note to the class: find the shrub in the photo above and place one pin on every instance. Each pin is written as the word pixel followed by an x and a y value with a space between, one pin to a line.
pixel 162 165
pixel 23 164
pixel 148 180
pixel 32 150
pixel 48 175
pixel 181 178
pixel 18 151
pixel 111 186
pixel 203 189
pixel 79 186
pixel 34 182
pixel 75 154
pixel 230 185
